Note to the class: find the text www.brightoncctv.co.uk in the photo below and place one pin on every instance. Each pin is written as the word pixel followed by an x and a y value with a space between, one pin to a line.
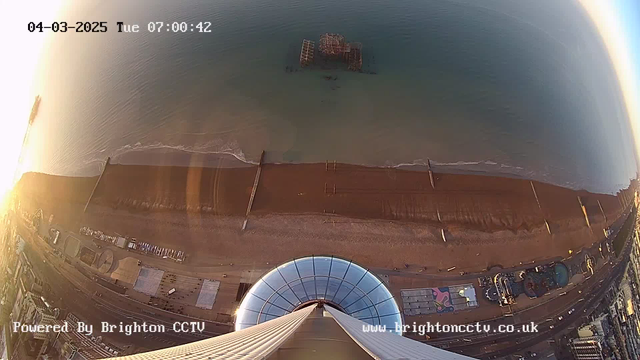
pixel 426 328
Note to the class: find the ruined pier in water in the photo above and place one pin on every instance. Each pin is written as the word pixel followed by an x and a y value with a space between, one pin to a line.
pixel 307 52
pixel 333 46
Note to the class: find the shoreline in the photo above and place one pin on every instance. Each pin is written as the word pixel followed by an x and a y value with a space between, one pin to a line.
pixel 165 155
pixel 175 156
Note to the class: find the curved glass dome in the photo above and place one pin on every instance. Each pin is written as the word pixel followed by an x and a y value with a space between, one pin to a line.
pixel 340 283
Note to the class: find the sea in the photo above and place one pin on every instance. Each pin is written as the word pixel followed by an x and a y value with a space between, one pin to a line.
pixel 519 88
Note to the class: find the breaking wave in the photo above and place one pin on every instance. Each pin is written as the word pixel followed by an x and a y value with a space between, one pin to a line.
pixel 489 167
pixel 212 147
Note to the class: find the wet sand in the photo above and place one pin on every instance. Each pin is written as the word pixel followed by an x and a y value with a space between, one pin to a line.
pixel 376 216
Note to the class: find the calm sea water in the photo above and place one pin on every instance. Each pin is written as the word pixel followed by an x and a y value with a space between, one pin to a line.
pixel 518 87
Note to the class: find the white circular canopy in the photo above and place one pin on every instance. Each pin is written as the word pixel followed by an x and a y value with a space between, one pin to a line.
pixel 340 283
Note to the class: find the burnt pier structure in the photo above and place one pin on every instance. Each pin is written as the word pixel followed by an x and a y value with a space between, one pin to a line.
pixel 333 46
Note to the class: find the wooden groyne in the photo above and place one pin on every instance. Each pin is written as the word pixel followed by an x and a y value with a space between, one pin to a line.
pixel 253 190
pixel 584 211
pixel 433 184
pixel 97 183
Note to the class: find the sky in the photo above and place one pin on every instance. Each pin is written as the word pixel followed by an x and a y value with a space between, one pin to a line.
pixel 618 22
pixel 18 66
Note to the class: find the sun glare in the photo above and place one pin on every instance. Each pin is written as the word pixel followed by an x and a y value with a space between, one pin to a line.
pixel 606 20
pixel 19 64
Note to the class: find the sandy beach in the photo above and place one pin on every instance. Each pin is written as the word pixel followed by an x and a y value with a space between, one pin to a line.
pixel 376 216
